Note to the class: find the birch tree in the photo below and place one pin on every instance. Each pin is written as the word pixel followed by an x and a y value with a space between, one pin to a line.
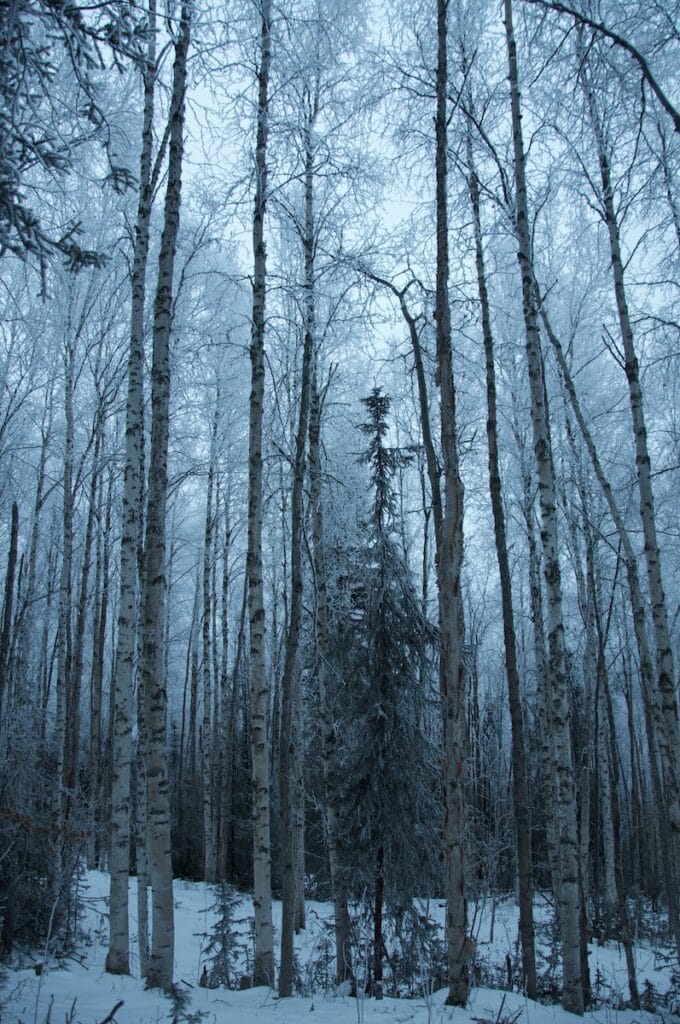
pixel 558 707
pixel 209 837
pixel 263 968
pixel 450 559
pixel 160 967
pixel 519 766
pixel 117 959
pixel 290 707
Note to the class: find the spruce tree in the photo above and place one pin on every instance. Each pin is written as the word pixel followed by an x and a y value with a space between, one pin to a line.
pixel 383 641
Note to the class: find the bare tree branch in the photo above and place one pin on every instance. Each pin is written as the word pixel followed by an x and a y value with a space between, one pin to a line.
pixel 603 30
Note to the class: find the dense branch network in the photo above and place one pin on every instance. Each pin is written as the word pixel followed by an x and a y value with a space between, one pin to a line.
pixel 601 29
pixel 47 50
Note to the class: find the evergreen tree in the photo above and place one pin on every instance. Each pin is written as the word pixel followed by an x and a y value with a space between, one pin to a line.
pixel 388 768
pixel 223 947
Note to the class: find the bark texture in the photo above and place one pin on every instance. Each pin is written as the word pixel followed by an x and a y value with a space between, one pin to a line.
pixel 209 847
pixel 117 958
pixel 263 968
pixel 449 563
pixel 160 966
pixel 520 785
pixel 568 894
pixel 290 709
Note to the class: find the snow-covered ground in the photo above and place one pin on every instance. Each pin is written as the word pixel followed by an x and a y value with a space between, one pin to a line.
pixel 78 991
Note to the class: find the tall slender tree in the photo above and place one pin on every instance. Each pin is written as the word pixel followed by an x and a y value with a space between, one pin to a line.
pixel 207 746
pixel 450 558
pixel 160 966
pixel 290 684
pixel 558 704
pixel 520 781
pixel 117 958
pixel 263 969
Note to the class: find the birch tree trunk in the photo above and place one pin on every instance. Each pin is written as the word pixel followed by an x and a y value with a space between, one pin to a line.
pixel 640 851
pixel 96 754
pixel 606 800
pixel 520 783
pixel 141 839
pixel 541 660
pixel 117 958
pixel 595 740
pixel 263 969
pixel 76 673
pixel 159 973
pixel 65 582
pixel 227 704
pixel 619 884
pixel 565 787
pixel 299 919
pixel 209 851
pixel 289 755
pixel 449 562
pixel 216 731
pixel 227 817
pixel 97 747
pixel 578 520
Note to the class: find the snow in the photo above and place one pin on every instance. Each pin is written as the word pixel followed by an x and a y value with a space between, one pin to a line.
pixel 79 991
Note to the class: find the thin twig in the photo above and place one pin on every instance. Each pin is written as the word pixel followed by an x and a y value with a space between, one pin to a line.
pixel 114 1011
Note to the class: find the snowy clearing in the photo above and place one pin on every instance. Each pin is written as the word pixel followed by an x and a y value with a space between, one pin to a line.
pixel 79 991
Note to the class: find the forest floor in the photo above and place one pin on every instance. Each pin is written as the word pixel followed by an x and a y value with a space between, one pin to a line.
pixel 76 990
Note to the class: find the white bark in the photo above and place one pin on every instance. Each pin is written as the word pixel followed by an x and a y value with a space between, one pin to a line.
pixel 290 729
pixel 160 966
pixel 299 809
pixel 227 706
pixel 558 711
pixel 520 782
pixel 102 580
pixel 72 755
pixel 604 773
pixel 263 969
pixel 117 959
pixel 64 622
